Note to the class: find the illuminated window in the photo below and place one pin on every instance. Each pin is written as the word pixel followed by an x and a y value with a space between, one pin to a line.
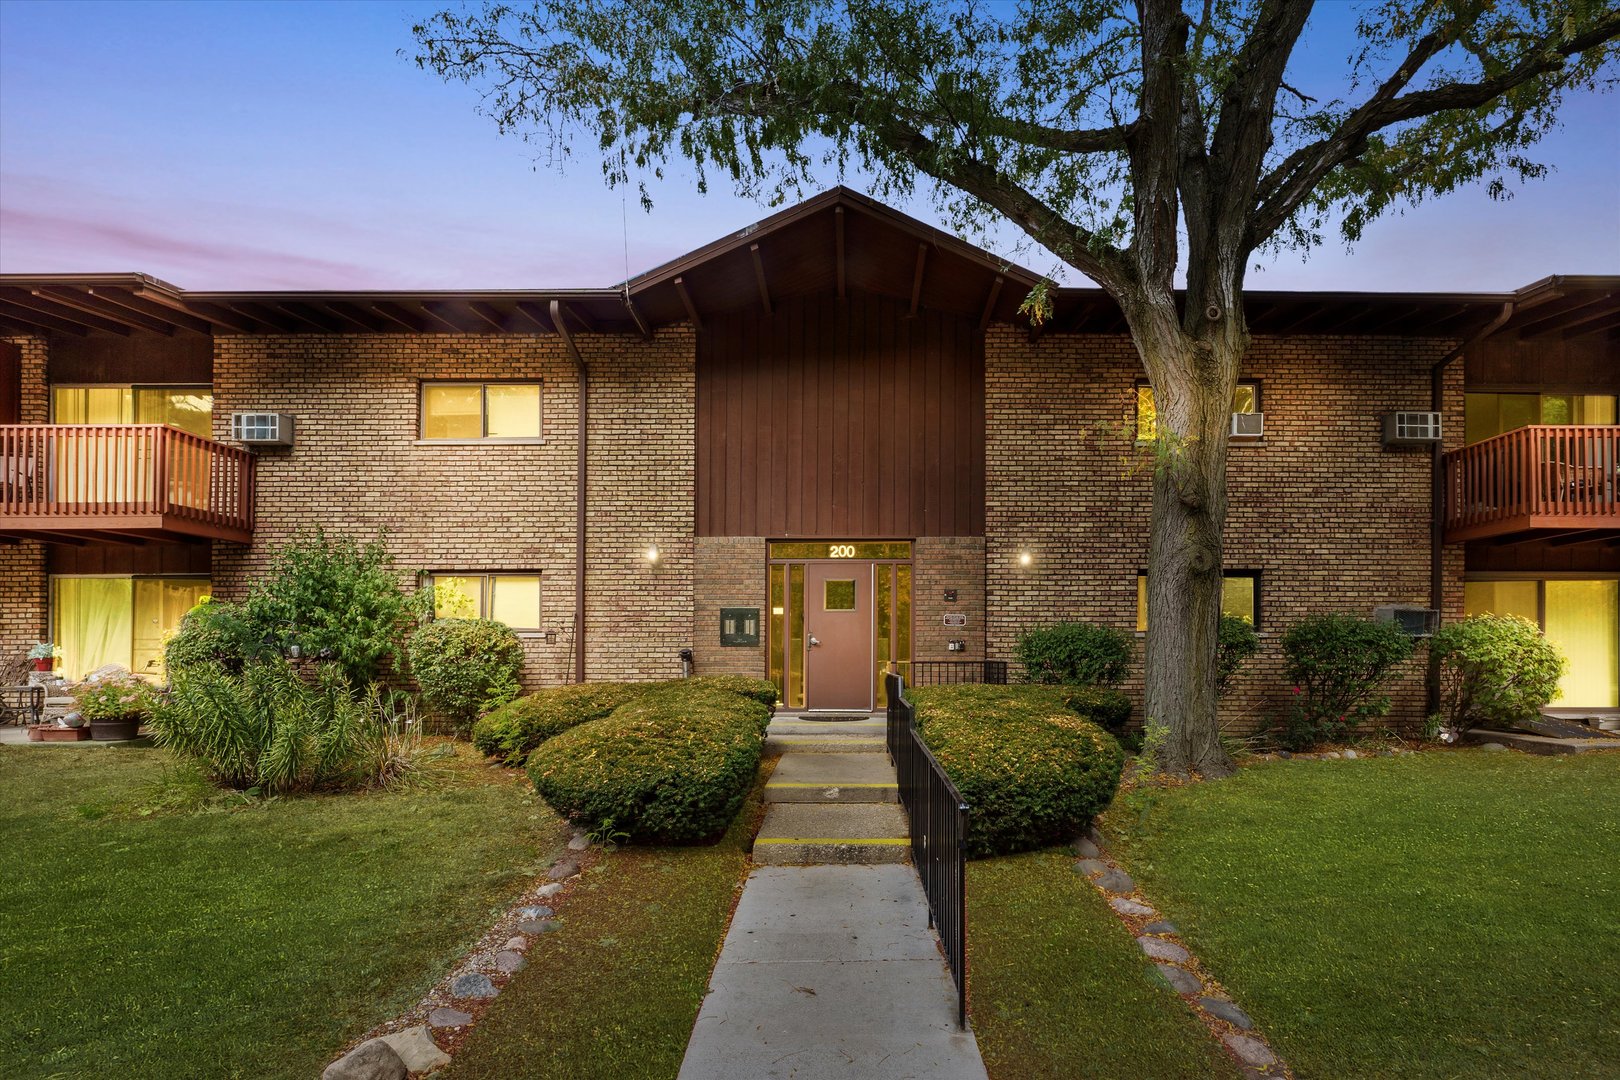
pixel 1245 399
pixel 1582 618
pixel 1240 596
pixel 190 408
pixel 513 599
pixel 469 411
pixel 1488 415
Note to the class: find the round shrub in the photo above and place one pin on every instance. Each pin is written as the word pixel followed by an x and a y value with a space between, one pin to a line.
pixel 465 667
pixel 1107 708
pixel 1495 670
pixel 516 728
pixel 1336 664
pixel 671 766
pixel 216 634
pixel 760 690
pixel 1032 772
pixel 1075 654
pixel 1235 643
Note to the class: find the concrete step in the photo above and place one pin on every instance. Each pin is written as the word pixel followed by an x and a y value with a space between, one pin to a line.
pixel 849 833
pixel 811 744
pixel 833 778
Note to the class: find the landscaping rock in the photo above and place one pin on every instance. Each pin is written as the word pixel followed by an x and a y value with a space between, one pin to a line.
pixel 1331 755
pixel 1086 849
pixel 445 1017
pixel 1126 906
pixel 1284 754
pixel 1252 1052
pixel 1091 867
pixel 1160 949
pixel 510 961
pixel 1226 1011
pixel 371 1060
pixel 472 986
pixel 1492 747
pixel 563 870
pixel 516 944
pixel 1351 754
pixel 1117 881
pixel 1181 980
pixel 417 1049
pixel 535 911
pixel 546 892
pixel 537 926
pixel 579 842
pixel 1162 926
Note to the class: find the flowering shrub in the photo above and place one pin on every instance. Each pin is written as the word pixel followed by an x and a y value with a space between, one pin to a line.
pixel 1336 664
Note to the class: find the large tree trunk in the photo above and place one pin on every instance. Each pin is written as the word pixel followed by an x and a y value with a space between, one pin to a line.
pixel 1193 379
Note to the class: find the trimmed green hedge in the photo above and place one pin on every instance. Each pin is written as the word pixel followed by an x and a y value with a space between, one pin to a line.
pixel 671 766
pixel 466 667
pixel 1109 709
pixel 760 690
pixel 1033 772
pixel 512 731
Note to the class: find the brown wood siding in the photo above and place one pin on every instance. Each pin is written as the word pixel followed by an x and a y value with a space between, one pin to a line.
pixel 833 420
pixel 139 358
pixel 1549 364
pixel 1597 556
pixel 168 560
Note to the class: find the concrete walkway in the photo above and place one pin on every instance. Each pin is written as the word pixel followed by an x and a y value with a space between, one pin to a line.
pixel 830 969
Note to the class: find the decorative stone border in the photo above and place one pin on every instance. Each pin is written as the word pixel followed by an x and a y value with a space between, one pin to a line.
pixel 425 1037
pixel 1160 941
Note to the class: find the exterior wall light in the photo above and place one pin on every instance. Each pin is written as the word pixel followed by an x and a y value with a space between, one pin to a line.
pixel 1025 558
pixel 652 553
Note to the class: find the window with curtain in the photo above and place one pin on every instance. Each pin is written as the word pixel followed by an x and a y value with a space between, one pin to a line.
pixel 119 620
pixel 190 408
pixel 1487 415
pixel 513 599
pixel 477 411
pixel 1581 617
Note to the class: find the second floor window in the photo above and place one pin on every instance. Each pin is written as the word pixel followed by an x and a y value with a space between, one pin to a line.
pixel 1486 415
pixel 1245 399
pixel 463 411
pixel 190 408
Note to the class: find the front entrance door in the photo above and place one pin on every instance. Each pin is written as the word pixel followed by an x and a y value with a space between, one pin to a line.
pixel 838 635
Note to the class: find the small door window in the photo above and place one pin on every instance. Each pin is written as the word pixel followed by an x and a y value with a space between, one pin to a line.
pixel 839 595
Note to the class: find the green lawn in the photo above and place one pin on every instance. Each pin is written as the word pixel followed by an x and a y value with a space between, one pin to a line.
pixel 1058 987
pixel 250 941
pixel 615 991
pixel 1447 914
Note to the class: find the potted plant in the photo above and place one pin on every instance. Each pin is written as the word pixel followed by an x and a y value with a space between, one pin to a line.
pixel 43 656
pixel 114 708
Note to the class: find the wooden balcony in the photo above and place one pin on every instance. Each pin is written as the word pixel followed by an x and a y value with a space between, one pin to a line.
pixel 1533 483
pixel 124 483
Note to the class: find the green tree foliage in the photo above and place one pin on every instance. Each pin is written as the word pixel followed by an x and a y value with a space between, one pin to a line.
pixel 216 633
pixel 1236 645
pixel 1495 670
pixel 340 602
pixel 1133 142
pixel 1337 665
pixel 465 667
pixel 1075 654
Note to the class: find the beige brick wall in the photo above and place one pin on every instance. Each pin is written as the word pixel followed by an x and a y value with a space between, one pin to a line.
pixel 1332 521
pixel 23 615
pixel 940 563
pixel 729 572
pixel 357 468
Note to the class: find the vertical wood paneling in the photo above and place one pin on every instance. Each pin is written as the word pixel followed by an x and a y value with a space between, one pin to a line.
pixel 838 419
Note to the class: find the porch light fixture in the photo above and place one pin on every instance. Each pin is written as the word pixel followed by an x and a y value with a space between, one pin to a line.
pixel 1025 558
pixel 652 553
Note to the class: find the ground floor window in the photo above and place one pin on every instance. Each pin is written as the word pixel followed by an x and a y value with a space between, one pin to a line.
pixel 1581 617
pixel 1240 596
pixel 513 599
pixel 99 620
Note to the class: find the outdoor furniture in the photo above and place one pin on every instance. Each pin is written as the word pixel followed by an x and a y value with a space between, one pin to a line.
pixel 22 705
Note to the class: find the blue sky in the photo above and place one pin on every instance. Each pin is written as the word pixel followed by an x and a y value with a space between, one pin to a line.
pixel 289 145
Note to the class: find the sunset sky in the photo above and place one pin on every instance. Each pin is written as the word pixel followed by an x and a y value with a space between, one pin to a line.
pixel 291 145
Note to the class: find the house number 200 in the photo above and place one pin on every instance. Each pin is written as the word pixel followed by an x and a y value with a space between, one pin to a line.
pixel 841 551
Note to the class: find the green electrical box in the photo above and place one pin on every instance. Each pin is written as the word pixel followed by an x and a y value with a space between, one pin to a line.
pixel 739 626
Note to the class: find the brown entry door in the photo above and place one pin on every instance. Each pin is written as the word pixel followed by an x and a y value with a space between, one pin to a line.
pixel 838 636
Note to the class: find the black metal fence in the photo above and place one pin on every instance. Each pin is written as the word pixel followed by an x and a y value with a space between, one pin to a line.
pixel 950 672
pixel 938 819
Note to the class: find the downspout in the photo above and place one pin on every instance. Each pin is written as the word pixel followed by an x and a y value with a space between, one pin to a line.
pixel 561 324
pixel 1437 481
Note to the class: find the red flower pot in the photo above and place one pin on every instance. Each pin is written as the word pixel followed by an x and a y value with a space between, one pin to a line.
pixel 44 663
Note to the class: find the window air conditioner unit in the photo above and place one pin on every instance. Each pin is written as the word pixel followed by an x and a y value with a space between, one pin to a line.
pixel 1248 424
pixel 262 428
pixel 1414 621
pixel 1411 428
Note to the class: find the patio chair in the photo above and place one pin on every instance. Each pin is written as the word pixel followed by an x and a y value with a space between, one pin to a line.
pixel 22 705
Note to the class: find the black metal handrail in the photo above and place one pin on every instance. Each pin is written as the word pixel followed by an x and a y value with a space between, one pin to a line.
pixel 952 672
pixel 938 818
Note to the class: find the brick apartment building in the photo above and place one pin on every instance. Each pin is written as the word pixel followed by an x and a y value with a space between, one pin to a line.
pixel 820 445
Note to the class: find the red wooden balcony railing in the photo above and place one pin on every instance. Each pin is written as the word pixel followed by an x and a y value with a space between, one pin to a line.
pixel 130 479
pixel 1555 476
